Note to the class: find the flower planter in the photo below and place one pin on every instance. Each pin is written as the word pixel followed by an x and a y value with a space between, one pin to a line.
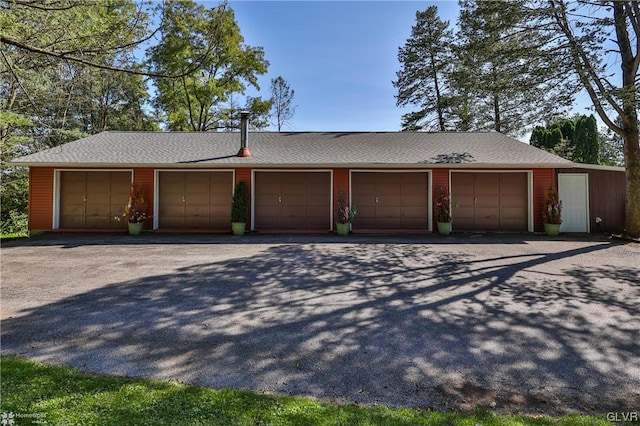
pixel 135 228
pixel 444 228
pixel 552 229
pixel 342 228
pixel 238 228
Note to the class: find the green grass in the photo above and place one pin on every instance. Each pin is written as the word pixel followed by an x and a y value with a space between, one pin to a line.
pixel 9 236
pixel 65 396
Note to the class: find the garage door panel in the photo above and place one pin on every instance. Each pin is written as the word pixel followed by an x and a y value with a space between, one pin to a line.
pixel 292 200
pixel 195 200
pixel 391 200
pixel 414 223
pixel 490 201
pixel 415 211
pixel 289 212
pixel 92 199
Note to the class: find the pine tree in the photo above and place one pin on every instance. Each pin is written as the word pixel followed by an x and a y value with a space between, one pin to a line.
pixel 422 79
pixel 282 101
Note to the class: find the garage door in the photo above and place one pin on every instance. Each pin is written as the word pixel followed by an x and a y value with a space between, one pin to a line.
pixel 194 200
pixel 396 200
pixel 490 201
pixel 293 200
pixel 91 199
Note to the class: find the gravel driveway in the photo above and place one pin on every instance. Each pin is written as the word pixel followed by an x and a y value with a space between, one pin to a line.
pixel 519 323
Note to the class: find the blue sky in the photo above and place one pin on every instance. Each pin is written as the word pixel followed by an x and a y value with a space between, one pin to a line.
pixel 339 57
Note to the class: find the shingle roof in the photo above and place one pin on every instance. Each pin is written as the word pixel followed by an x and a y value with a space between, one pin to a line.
pixel 338 149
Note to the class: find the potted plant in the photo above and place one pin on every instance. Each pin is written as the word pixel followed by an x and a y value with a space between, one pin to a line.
pixel 443 211
pixel 239 209
pixel 552 212
pixel 135 210
pixel 344 214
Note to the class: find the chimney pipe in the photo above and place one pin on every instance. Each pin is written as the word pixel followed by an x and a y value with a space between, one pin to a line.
pixel 244 135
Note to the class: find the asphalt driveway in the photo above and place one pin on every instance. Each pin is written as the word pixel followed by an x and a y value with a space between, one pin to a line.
pixel 521 323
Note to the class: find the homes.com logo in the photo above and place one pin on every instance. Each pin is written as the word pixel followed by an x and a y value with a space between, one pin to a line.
pixel 9 418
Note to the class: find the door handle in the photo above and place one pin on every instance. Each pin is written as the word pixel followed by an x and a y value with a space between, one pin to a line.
pixel 376 200
pixel 184 199
pixel 84 198
pixel 279 199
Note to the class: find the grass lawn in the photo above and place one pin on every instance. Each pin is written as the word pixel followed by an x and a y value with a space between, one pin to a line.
pixel 13 236
pixel 65 396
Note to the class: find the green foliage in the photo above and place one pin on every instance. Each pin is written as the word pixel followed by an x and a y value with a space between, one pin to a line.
pixel 240 203
pixel 513 74
pixel 424 73
pixel 492 74
pixel 576 140
pixel 190 34
pixel 586 140
pixel 62 395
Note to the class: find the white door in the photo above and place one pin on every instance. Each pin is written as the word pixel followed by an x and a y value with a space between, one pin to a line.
pixel 573 192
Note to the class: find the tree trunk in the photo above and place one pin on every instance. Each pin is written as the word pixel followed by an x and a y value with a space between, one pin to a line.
pixel 632 175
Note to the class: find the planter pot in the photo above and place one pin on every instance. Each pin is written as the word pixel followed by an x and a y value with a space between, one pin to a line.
pixel 342 228
pixel 135 228
pixel 552 229
pixel 238 228
pixel 444 228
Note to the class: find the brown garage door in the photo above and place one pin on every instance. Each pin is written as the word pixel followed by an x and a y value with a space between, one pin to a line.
pixel 91 199
pixel 490 201
pixel 195 200
pixel 396 200
pixel 293 200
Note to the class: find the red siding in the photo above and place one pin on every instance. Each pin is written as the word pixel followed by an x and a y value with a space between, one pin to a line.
pixel 340 182
pixel 41 190
pixel 244 175
pixel 40 198
pixel 606 198
pixel 144 178
pixel 440 178
pixel 542 180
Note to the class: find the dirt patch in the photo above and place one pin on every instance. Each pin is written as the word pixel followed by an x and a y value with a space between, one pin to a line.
pixel 469 396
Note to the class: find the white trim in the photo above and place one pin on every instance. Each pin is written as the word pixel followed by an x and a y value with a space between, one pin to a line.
pixel 429 173
pixel 156 188
pixel 56 188
pixel 530 209
pixel 594 167
pixel 253 190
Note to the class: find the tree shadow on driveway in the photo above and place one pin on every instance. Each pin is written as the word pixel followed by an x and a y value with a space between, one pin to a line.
pixel 398 324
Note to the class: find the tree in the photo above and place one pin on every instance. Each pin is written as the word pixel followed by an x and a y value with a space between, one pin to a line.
pixel 47 98
pixel 586 140
pixel 514 75
pixel 282 98
pixel 191 33
pixel 618 21
pixel 422 79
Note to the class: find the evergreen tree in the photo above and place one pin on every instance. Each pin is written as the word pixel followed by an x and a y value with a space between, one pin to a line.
pixel 422 79
pixel 586 140
pixel 513 75
pixel 282 101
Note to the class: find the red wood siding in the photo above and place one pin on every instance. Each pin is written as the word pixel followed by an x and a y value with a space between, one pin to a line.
pixel 144 178
pixel 40 198
pixel 340 182
pixel 244 175
pixel 542 180
pixel 439 178
pixel 606 198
